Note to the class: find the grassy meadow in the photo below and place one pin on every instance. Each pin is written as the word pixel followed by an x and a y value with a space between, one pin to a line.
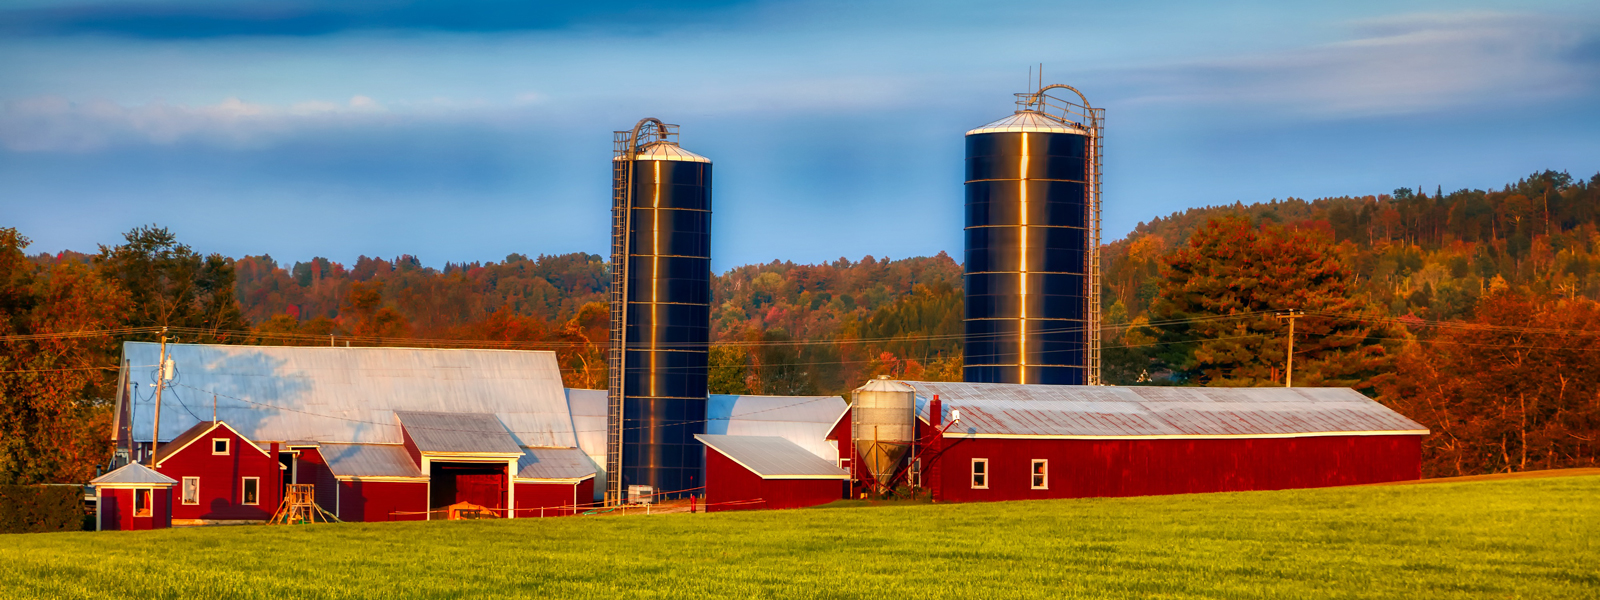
pixel 1516 538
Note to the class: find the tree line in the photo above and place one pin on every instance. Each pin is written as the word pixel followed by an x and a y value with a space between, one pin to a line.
pixel 1470 312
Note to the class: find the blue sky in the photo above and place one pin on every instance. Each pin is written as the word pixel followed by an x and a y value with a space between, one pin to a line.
pixel 467 130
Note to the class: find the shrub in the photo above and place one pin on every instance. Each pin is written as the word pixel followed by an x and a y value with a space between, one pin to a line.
pixel 41 508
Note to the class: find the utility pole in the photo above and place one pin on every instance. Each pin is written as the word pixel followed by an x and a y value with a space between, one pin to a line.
pixel 161 378
pixel 1288 369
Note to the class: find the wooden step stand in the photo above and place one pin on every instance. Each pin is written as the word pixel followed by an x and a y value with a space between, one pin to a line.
pixel 300 506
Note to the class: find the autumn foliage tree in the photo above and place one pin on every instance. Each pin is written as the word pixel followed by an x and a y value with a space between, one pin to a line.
pixel 1215 314
pixel 168 284
pixel 1517 388
pixel 57 368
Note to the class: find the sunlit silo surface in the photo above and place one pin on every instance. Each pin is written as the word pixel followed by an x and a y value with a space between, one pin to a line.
pixel 1032 243
pixel 882 423
pixel 660 311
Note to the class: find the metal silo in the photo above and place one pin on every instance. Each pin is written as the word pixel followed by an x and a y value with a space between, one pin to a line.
pixel 882 423
pixel 1032 243
pixel 660 312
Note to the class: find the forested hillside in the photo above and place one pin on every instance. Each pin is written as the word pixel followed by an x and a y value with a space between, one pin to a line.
pixel 1473 312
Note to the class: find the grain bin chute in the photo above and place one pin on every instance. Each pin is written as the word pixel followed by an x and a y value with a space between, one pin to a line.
pixel 883 424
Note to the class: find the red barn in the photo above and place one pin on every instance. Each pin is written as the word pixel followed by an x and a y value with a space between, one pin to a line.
pixel 370 482
pixel 1015 442
pixel 132 498
pixel 767 472
pixel 553 482
pixel 223 476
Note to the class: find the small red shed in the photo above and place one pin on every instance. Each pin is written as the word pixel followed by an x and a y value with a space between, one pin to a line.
pixel 553 482
pixel 222 476
pixel 767 472
pixel 132 498
pixel 374 482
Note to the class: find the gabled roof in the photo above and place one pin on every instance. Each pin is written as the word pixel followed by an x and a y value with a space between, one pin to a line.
pixel 200 431
pixel 133 475
pixel 347 395
pixel 370 461
pixel 772 457
pixel 569 464
pixel 1075 411
pixel 458 433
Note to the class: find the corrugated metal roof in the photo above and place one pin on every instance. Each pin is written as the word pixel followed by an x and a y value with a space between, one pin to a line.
pixel 803 420
pixel 457 433
pixel 588 408
pixel 667 151
pixel 555 463
pixel 369 460
pixel 132 474
pixel 1106 411
pixel 281 393
pixel 1030 122
pixel 773 457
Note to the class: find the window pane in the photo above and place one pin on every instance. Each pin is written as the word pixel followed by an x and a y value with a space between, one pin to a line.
pixel 250 491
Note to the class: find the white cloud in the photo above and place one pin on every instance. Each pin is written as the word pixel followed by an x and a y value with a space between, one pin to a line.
pixel 1395 65
pixel 55 124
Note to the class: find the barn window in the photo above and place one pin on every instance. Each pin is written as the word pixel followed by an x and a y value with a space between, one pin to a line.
pixel 980 473
pixel 1041 474
pixel 219 445
pixel 252 489
pixel 191 490
pixel 141 503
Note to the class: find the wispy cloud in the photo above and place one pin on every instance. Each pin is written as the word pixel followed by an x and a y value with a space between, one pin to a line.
pixel 54 124
pixel 1395 65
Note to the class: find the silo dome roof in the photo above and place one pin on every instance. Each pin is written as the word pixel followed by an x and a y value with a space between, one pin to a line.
pixel 885 385
pixel 667 151
pixel 1028 121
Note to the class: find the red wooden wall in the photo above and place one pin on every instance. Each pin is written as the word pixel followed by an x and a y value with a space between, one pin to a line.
pixel 1132 467
pixel 726 481
pixel 311 468
pixel 374 501
pixel 115 510
pixel 221 479
pixel 558 498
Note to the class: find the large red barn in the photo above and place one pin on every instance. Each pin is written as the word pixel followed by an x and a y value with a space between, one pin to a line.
pixel 1015 442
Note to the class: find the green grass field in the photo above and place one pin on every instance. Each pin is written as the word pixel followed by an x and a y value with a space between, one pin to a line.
pixel 1524 538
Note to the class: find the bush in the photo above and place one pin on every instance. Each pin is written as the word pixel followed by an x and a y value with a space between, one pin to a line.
pixel 41 508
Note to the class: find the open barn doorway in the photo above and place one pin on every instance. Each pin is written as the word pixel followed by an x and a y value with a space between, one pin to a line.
pixel 483 484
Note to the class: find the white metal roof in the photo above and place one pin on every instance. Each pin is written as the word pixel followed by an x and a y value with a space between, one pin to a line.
pixel 803 420
pixel 772 457
pixel 1007 410
pixel 588 409
pixel 1030 122
pixel 457 433
pixel 133 475
pixel 328 394
pixel 555 463
pixel 667 151
pixel 358 461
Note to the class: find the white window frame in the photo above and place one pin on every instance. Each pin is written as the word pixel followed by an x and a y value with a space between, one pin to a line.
pixel 227 446
pixel 1039 474
pixel 976 474
pixel 149 496
pixel 191 501
pixel 244 495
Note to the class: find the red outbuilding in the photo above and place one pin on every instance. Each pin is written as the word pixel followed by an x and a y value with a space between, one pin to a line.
pixel 222 476
pixel 1015 442
pixel 369 482
pixel 132 498
pixel 553 482
pixel 767 472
